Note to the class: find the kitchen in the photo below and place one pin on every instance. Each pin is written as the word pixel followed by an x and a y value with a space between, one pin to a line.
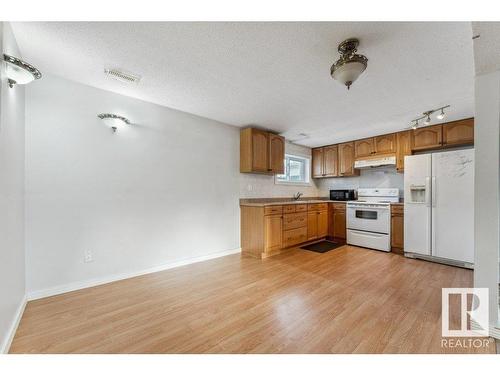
pixel 396 219
pixel 295 193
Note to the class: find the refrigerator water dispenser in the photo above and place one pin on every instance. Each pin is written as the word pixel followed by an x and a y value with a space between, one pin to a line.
pixel 417 193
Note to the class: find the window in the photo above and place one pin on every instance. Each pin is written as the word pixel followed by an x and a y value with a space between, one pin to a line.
pixel 297 171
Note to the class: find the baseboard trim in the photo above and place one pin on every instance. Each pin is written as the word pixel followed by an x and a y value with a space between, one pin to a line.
pixel 43 293
pixel 13 327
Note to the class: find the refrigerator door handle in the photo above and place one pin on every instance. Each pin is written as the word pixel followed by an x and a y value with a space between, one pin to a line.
pixel 427 191
pixel 433 187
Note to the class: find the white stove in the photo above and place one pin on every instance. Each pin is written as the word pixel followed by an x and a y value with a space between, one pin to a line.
pixel 369 218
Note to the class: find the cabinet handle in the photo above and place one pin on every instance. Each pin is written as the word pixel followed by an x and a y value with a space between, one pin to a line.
pixel 269 169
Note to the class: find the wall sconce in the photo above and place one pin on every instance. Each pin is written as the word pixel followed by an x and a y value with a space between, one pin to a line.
pixel 114 121
pixel 19 72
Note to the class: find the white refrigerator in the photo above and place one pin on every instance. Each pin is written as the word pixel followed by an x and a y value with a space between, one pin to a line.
pixel 439 206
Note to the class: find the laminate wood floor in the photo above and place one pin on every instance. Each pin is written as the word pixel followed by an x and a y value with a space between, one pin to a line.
pixel 349 300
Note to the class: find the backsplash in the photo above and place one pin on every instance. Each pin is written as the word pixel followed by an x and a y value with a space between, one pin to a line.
pixel 368 178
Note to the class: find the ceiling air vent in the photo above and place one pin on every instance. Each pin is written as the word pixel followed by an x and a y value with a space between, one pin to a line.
pixel 122 76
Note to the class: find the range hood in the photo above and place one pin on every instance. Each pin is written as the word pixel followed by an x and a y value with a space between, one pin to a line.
pixel 374 163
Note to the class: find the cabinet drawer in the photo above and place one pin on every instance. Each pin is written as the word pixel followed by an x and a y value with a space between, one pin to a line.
pixel 301 208
pixel 289 208
pixel 292 221
pixel 317 206
pixel 339 206
pixel 294 236
pixel 271 210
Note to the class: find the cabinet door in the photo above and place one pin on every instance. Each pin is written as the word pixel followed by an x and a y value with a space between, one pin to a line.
pixel 427 138
pixel 317 162
pixel 403 148
pixel 397 231
pixel 346 159
pixel 272 233
pixel 330 161
pixel 276 154
pixel 312 225
pixel 385 144
pixel 458 132
pixel 339 224
pixel 364 147
pixel 260 151
pixel 322 223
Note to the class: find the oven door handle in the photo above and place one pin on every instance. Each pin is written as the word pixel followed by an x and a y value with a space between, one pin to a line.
pixel 368 234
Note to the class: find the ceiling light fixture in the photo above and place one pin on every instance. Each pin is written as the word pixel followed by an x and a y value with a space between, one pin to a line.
pixel 350 65
pixel 114 121
pixel 19 72
pixel 427 116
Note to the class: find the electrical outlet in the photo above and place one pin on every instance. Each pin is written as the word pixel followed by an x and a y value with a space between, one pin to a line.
pixel 88 256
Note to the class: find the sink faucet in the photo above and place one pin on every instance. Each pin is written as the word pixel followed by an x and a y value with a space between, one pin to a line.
pixel 297 196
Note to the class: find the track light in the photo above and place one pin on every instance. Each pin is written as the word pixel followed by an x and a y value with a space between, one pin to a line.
pixel 426 116
pixel 441 115
pixel 427 120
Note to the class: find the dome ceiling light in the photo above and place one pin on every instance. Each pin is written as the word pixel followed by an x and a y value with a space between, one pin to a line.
pixel 350 65
pixel 114 121
pixel 19 72
pixel 426 116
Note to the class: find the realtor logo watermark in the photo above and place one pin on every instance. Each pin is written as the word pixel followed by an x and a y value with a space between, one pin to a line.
pixel 477 310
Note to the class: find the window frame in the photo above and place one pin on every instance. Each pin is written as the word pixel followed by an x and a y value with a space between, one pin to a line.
pixel 307 172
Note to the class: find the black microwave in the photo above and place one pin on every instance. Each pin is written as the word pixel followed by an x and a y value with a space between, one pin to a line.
pixel 343 195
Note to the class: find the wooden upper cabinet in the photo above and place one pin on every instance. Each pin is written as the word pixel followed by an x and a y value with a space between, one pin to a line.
pixel 346 160
pixel 458 132
pixel 276 153
pixel 317 162
pixel 364 147
pixel 330 161
pixel 427 138
pixel 261 151
pixel 385 144
pixel 403 148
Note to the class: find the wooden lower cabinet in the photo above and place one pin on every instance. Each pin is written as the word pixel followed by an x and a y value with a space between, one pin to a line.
pixel 337 225
pixel 294 237
pixel 265 231
pixel 397 229
pixel 273 229
pixel 317 221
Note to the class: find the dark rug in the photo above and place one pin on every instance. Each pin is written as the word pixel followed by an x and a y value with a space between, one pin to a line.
pixel 322 246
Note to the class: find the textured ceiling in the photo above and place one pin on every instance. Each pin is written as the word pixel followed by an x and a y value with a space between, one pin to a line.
pixel 486 46
pixel 275 75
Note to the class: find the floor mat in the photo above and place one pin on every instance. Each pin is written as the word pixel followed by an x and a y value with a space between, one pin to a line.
pixel 322 246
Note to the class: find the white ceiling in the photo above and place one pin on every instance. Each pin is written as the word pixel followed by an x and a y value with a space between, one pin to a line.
pixel 486 46
pixel 275 75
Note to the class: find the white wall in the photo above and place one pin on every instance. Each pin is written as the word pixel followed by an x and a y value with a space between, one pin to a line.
pixel 12 260
pixel 263 186
pixel 163 190
pixel 487 185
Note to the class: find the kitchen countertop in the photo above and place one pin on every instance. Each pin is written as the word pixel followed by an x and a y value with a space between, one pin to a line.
pixel 262 202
